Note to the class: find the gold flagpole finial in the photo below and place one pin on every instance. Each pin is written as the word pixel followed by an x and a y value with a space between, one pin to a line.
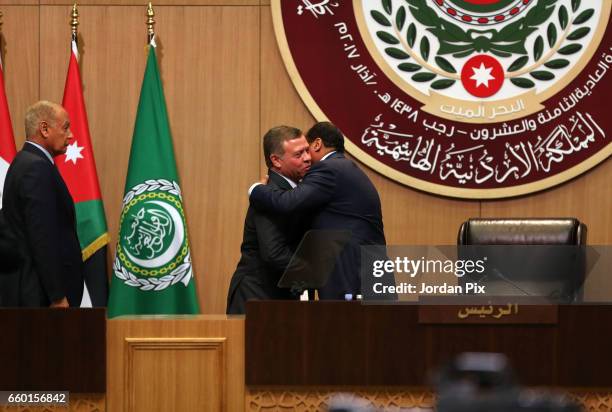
pixel 1 22
pixel 150 22
pixel 74 21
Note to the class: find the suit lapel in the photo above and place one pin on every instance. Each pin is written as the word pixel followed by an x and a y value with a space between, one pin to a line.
pixel 277 180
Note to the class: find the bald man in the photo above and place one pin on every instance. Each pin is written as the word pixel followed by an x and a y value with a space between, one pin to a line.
pixel 39 212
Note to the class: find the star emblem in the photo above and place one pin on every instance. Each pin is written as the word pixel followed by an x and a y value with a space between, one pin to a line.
pixel 73 152
pixel 482 75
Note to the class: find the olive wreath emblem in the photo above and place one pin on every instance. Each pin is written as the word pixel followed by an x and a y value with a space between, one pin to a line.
pixel 177 275
pixel 561 37
pixel 181 273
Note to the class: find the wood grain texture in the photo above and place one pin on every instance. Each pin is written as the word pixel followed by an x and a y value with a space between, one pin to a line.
pixel 155 4
pixel 210 60
pixel 4 3
pixel 53 350
pixel 20 33
pixel 280 102
pixel 196 365
pixel 157 363
pixel 348 343
pixel 587 197
pixel 412 217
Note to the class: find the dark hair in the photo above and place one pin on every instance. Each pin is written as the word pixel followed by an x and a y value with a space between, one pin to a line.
pixel 274 138
pixel 328 133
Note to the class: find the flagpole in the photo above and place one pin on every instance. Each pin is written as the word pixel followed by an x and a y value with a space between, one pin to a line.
pixel 74 21
pixel 150 24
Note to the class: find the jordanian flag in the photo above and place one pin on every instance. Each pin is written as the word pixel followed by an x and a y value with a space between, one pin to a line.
pixel 152 267
pixel 78 168
pixel 7 141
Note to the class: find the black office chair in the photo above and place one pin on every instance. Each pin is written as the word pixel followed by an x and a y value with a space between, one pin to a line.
pixel 540 257
pixel 530 231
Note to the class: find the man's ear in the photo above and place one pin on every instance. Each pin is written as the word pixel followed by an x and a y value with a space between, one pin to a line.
pixel 43 128
pixel 275 159
pixel 317 144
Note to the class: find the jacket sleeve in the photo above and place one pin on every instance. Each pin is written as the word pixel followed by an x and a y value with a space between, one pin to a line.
pixel 273 246
pixel 316 190
pixel 39 199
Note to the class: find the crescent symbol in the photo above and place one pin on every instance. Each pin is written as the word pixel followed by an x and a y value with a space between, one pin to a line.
pixel 175 245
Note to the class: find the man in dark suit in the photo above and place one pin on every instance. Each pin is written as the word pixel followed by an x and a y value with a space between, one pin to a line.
pixel 270 239
pixel 39 213
pixel 341 197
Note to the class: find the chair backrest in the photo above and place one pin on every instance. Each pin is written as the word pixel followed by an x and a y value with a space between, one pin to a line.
pixel 555 268
pixel 522 231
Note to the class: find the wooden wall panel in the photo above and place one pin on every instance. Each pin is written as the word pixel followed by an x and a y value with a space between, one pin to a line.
pixel 155 3
pixel 280 103
pixel 416 218
pixel 587 197
pixel 211 57
pixel 21 65
pixel 225 85
pixel 4 3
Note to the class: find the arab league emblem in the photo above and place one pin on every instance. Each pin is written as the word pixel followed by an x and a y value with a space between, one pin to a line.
pixel 153 249
pixel 465 98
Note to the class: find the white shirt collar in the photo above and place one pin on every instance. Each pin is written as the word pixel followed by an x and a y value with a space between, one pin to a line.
pixel 291 182
pixel 327 155
pixel 43 150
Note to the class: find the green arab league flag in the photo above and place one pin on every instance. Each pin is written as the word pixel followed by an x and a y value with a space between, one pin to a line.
pixel 152 272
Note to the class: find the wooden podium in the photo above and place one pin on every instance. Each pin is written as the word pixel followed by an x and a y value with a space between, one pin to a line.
pixel 347 343
pixel 53 350
pixel 175 363
pixel 291 355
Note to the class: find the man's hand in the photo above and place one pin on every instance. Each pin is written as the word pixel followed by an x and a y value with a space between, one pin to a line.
pixel 264 180
pixel 62 303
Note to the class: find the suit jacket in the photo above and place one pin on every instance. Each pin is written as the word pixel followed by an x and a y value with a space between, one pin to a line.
pixel 39 213
pixel 10 262
pixel 268 243
pixel 341 197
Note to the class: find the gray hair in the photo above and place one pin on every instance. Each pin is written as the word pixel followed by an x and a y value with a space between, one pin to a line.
pixel 39 112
